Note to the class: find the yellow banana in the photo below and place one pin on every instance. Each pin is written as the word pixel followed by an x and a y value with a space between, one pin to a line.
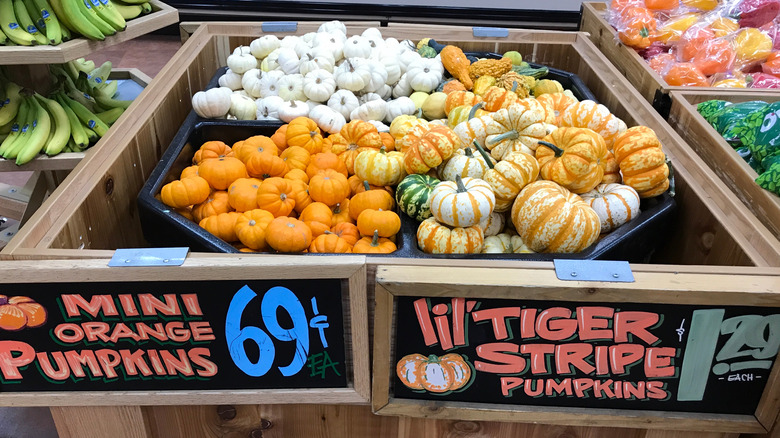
pixel 60 127
pixel 11 105
pixel 40 134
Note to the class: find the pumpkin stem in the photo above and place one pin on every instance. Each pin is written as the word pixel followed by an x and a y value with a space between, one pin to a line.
pixel 484 154
pixel 558 151
pixel 459 183
pixel 509 135
pixel 375 240
pixel 474 110
pixel 514 86
pixel 337 208
pixel 467 151
pixel 383 150
pixel 366 186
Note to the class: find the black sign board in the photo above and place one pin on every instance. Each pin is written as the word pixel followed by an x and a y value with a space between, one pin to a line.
pixel 685 351
pixel 257 334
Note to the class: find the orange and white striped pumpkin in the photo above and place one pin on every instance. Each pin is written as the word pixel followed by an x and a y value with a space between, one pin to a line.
pixel 434 237
pixel 463 202
pixel 615 204
pixel 493 224
pixel 466 163
pixel 473 130
pixel 592 115
pixel 550 218
pixel 558 102
pixel 517 128
pixel 509 176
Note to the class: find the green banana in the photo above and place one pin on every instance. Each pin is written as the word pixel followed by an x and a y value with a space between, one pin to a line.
pixel 6 129
pixel 128 12
pixel 99 75
pixel 85 6
pixel 146 7
pixel 40 134
pixel 10 26
pixel 87 117
pixel 84 65
pixel 112 103
pixel 3 38
pixel 82 98
pixel 66 35
pixel 110 116
pixel 77 21
pixel 69 68
pixel 108 89
pixel 53 29
pixel 35 14
pixel 106 11
pixel 93 137
pixel 65 22
pixel 60 125
pixel 22 131
pixel 13 99
pixel 77 133
pixel 27 22
pixel 16 129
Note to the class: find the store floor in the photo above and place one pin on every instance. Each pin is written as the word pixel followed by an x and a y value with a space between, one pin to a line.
pixel 149 54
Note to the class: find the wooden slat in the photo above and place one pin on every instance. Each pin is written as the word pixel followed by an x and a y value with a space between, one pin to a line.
pixel 720 156
pixel 162 15
pixel 101 422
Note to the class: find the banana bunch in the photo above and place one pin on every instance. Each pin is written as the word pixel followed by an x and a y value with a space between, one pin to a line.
pixel 31 22
pixel 75 116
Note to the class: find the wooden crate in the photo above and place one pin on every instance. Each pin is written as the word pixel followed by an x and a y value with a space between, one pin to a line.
pixel 632 66
pixel 720 156
pixel 94 212
pixel 162 15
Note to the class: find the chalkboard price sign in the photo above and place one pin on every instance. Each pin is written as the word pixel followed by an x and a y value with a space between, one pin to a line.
pixel 476 343
pixel 178 335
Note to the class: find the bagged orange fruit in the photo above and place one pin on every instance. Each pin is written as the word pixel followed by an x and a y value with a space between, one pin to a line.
pixel 684 74
pixel 715 56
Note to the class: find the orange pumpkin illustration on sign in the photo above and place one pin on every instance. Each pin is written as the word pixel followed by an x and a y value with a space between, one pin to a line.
pixel 19 312
pixel 433 373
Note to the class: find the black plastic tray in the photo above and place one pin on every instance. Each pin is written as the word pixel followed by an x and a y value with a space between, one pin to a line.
pixel 162 226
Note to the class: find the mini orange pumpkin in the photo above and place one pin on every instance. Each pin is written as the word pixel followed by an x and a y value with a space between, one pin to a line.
pixel 297 175
pixel 325 160
pixel 280 138
pixel 374 245
pixel 222 225
pixel 186 192
pixel 189 171
pixel 300 192
pixel 354 137
pixel 385 223
pixel 251 227
pixel 242 194
pixel 296 157
pixel 265 165
pixel 221 172
pixel 216 203
pixel 285 234
pixel 357 185
pixel 304 132
pixel 341 213
pixel 257 143
pixel 347 231
pixel 318 217
pixel 275 195
pixel 370 199
pixel 330 243
pixel 329 186
pixel 211 149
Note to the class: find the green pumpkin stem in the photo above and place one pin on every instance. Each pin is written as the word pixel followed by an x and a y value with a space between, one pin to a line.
pixel 514 86
pixel 383 150
pixel 418 113
pixel 474 109
pixel 459 183
pixel 467 151
pixel 375 240
pixel 509 135
pixel 484 154
pixel 558 151
pixel 366 186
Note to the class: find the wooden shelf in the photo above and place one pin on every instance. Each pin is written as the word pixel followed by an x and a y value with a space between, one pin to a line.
pixel 162 15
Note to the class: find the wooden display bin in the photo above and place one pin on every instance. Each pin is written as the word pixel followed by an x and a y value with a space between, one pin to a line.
pixel 720 156
pixel 717 253
pixel 628 62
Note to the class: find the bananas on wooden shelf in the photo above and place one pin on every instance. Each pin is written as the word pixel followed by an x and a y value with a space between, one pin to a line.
pixel 76 115
pixel 42 22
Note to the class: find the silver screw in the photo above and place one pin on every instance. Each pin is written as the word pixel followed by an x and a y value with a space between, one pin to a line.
pixel 573 274
pixel 127 260
pixel 166 260
pixel 616 275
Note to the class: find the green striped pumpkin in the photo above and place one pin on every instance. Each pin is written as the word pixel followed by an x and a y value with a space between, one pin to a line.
pixel 413 195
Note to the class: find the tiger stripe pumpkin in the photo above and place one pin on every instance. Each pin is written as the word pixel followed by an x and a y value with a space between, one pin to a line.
pixel 434 237
pixel 595 116
pixel 615 204
pixel 462 203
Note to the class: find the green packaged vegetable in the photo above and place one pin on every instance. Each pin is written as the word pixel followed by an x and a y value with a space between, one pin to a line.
pixel 711 108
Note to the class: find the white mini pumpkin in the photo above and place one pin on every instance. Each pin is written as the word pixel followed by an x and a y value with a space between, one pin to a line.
pixel 406 58
pixel 328 119
pixel 371 110
pixel 261 47
pixel 343 101
pixel 329 43
pixel 242 50
pixel 289 41
pixel 268 107
pixel 240 63
pixel 290 110
pixel 288 60
pixel 498 244
pixel 331 26
pixel 381 127
pixel 393 68
pixel 269 83
pixel 213 103
pixel 301 47
pixel 242 107
pixel 269 62
pixel 615 204
pixel 385 91
pixel 291 87
pixel 251 82
pixel 357 46
pixel 377 78
pixel 309 62
pixel 425 74
pixel 368 97
pixel 402 87
pixel 231 80
pixel 399 107
pixel 319 85
pixel 493 224
pixel 352 74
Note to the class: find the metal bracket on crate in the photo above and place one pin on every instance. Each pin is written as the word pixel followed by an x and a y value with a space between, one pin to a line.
pixel 279 26
pixel 149 257
pixel 490 32
pixel 593 270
